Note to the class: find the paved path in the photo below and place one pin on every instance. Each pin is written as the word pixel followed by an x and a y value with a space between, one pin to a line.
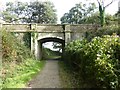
pixel 48 77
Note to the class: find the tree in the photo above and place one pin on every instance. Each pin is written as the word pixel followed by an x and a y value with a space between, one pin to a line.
pixel 33 12
pixel 102 8
pixel 15 12
pixel 118 13
pixel 110 19
pixel 42 12
pixel 57 46
pixel 77 14
pixel 94 19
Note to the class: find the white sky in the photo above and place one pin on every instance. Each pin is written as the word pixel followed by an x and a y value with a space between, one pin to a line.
pixel 64 6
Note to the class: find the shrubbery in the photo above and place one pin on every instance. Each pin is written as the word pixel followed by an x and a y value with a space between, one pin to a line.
pixel 96 62
pixel 107 30
pixel 18 64
pixel 12 49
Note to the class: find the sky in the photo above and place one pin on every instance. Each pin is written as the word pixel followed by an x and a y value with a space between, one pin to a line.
pixel 63 6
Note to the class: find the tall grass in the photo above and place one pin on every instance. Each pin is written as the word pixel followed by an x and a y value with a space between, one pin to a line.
pixel 18 64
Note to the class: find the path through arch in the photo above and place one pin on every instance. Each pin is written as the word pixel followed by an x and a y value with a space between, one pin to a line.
pixel 48 39
pixel 48 77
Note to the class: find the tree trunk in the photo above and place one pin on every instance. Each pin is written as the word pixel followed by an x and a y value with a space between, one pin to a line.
pixel 102 15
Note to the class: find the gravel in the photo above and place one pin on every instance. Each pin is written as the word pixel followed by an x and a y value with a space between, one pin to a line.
pixel 48 77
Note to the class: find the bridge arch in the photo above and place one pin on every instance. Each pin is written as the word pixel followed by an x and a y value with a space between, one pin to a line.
pixel 65 32
pixel 47 39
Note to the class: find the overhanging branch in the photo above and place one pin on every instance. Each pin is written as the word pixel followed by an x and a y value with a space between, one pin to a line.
pixel 109 3
pixel 98 2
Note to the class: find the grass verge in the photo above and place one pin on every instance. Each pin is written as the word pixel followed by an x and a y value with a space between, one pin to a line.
pixel 20 74
pixel 66 77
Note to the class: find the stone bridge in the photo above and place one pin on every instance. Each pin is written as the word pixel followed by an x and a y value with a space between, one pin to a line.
pixel 45 33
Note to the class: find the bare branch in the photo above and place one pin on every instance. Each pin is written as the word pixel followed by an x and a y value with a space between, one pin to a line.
pixel 98 2
pixel 109 3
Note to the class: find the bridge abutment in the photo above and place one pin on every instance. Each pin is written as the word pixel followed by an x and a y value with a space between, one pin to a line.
pixel 67 34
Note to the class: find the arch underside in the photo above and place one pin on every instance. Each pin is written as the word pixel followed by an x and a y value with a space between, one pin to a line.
pixel 51 39
pixel 51 35
pixel 48 39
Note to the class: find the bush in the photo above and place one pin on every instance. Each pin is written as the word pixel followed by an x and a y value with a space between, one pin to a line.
pixel 12 49
pixel 96 62
pixel 107 30
pixel 14 54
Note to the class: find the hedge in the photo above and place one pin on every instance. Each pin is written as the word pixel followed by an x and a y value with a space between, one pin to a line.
pixel 97 62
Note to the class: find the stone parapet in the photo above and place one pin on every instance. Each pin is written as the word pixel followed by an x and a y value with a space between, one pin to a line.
pixel 53 28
